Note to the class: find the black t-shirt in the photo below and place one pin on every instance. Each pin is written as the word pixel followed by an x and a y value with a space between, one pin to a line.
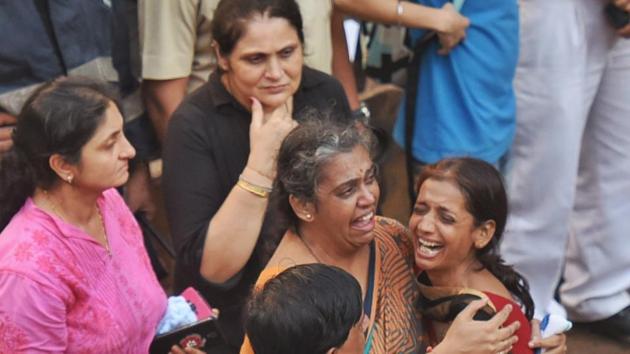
pixel 206 149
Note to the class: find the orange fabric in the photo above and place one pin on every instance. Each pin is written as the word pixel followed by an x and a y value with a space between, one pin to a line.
pixel 265 275
pixel 394 324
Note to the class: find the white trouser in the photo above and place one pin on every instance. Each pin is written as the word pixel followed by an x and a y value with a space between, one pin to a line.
pixel 569 169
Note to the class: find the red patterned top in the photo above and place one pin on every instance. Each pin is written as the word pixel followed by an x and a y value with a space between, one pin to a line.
pixel 524 332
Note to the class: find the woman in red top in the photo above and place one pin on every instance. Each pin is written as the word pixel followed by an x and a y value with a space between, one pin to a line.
pixel 458 221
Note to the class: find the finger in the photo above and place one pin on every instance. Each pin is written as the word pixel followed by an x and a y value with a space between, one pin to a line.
pixel 6 119
pixel 176 350
pixel 449 6
pixel 445 47
pixel 555 341
pixel 5 132
pixel 508 331
pixel 505 346
pixel 559 350
pixel 536 334
pixel 500 317
pixel 469 311
pixel 5 145
pixel 624 31
pixel 257 113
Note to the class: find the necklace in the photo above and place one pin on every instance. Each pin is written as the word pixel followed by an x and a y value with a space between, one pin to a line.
pixel 102 225
pixel 309 249
pixel 62 216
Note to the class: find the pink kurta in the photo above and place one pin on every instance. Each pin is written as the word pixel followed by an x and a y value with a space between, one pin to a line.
pixel 60 291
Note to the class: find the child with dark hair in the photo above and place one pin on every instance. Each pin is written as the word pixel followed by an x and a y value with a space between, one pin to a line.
pixel 307 309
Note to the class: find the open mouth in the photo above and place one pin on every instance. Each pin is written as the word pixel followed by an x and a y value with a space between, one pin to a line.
pixel 428 248
pixel 365 222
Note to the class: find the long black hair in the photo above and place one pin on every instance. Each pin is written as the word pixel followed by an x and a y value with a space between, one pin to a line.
pixel 58 118
pixel 482 187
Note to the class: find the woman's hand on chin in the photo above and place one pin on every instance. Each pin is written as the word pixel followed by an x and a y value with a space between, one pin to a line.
pixel 266 133
pixel 467 335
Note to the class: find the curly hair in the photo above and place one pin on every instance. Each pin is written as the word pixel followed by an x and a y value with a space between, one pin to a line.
pixel 303 155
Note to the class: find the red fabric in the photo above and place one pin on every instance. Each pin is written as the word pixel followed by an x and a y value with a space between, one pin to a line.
pixel 524 333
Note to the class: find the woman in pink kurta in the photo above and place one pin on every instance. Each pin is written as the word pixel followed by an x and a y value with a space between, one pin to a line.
pixel 74 274
pixel 60 291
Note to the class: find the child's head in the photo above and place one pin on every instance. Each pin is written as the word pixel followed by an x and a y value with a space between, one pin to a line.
pixel 312 308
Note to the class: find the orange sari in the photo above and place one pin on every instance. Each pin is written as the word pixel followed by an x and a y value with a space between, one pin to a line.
pixel 394 324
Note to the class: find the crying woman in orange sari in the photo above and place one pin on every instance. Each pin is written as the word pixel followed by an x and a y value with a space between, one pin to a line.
pixel 327 190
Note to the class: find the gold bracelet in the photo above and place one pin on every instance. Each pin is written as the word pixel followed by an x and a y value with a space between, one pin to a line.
pixel 257 190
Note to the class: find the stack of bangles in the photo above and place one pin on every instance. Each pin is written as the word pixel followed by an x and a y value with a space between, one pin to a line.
pixel 255 189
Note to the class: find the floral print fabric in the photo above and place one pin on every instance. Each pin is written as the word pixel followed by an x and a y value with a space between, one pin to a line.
pixel 61 291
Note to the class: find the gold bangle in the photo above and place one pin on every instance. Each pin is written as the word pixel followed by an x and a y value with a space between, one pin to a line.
pixel 257 190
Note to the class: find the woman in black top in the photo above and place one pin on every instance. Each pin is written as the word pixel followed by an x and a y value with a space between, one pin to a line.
pixel 221 147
